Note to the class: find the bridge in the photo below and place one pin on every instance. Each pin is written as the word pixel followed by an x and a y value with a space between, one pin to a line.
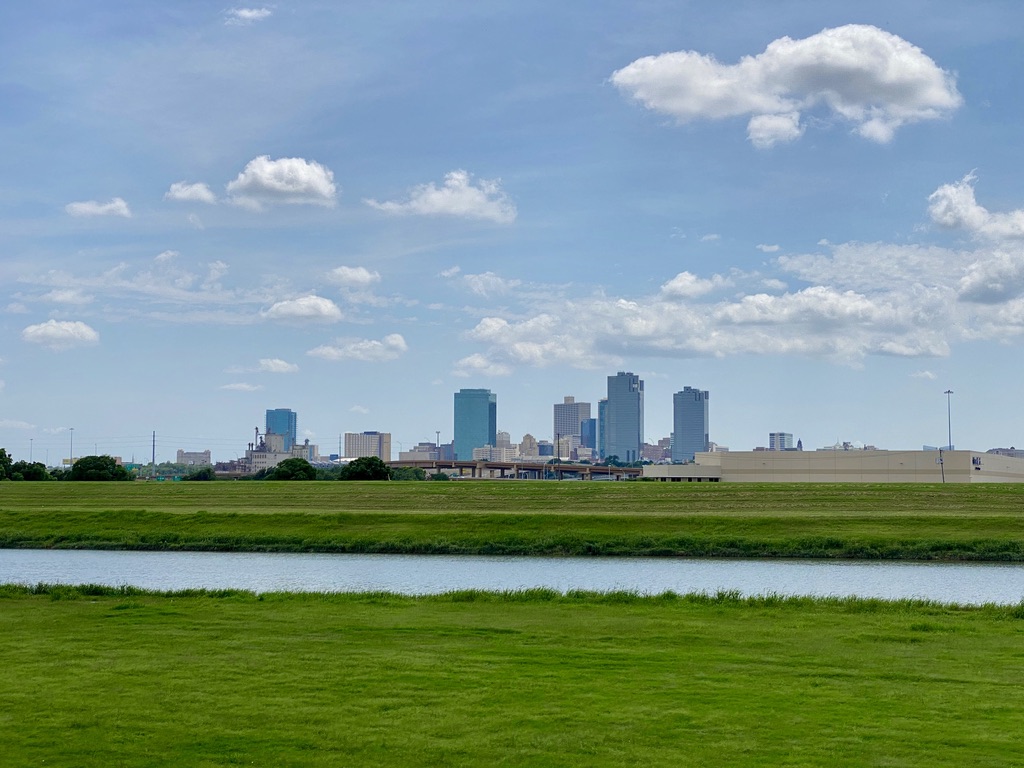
pixel 522 470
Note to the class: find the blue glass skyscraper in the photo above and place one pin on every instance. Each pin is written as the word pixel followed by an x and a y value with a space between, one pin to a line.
pixel 283 421
pixel 689 423
pixel 476 421
pixel 624 434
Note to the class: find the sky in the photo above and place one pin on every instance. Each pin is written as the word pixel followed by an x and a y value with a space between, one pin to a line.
pixel 812 209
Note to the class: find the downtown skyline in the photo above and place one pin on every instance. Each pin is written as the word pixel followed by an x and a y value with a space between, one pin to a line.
pixel 814 213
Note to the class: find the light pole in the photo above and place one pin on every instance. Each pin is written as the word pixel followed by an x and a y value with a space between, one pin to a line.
pixel 949 421
pixel 71 458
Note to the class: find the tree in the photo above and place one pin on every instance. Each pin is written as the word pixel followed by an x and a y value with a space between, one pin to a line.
pixel 24 470
pixel 98 468
pixel 5 464
pixel 203 473
pixel 365 468
pixel 440 476
pixel 408 473
pixel 293 469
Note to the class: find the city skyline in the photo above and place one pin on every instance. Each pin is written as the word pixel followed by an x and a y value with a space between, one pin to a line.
pixel 210 211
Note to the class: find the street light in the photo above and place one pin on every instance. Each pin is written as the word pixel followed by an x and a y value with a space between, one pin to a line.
pixel 71 458
pixel 949 422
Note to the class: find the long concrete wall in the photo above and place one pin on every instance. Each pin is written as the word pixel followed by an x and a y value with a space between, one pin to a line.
pixel 844 467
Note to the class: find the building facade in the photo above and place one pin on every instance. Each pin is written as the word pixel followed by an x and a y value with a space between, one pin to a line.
pixel 568 419
pixel 283 422
pixel 689 424
pixel 194 458
pixel 360 444
pixel 780 441
pixel 602 428
pixel 476 421
pixel 624 435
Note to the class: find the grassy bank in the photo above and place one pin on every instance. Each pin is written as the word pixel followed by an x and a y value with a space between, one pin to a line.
pixel 98 677
pixel 983 522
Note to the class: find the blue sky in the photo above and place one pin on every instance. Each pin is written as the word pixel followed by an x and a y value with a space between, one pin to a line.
pixel 811 209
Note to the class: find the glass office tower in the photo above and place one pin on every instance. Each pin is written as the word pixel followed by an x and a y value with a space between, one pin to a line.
pixel 689 424
pixel 624 435
pixel 476 421
pixel 285 422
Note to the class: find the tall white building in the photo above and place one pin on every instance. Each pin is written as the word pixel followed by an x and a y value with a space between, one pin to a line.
pixel 780 441
pixel 359 444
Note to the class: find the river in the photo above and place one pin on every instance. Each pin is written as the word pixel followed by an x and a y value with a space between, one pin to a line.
pixel 964 583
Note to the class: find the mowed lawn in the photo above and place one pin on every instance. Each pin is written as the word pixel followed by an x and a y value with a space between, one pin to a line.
pixel 980 522
pixel 124 679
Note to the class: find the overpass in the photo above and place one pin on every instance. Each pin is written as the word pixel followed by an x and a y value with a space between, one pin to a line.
pixel 522 470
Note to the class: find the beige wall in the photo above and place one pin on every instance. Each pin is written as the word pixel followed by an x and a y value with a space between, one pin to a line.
pixel 845 467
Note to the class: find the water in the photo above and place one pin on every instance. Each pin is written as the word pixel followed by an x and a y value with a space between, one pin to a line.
pixel 965 583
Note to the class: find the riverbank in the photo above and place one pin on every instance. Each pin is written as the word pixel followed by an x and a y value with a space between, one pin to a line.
pixel 916 522
pixel 99 676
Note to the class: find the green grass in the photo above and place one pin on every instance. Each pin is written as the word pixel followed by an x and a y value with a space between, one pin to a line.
pixel 979 522
pixel 101 676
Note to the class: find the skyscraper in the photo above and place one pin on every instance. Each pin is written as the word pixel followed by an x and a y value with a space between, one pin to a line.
pixel 689 423
pixel 569 415
pixel 358 444
pixel 476 421
pixel 283 422
pixel 624 435
pixel 602 427
pixel 780 441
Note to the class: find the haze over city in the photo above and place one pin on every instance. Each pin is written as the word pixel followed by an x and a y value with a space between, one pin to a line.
pixel 812 210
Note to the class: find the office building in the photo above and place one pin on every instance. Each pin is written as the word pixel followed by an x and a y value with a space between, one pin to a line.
pixel 476 421
pixel 359 444
pixel 780 441
pixel 588 434
pixel 194 458
pixel 689 424
pixel 284 423
pixel 602 427
pixel 569 417
pixel 624 434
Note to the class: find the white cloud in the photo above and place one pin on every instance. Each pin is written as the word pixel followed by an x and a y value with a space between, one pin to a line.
pixel 924 375
pixel 994 279
pixel 767 248
pixel 314 308
pixel 489 284
pixel 360 409
pixel 183 191
pixel 16 308
pixel 710 238
pixel 116 207
pixel 353 277
pixel 241 386
pixel 60 334
pixel 15 424
pixel 245 16
pixel 391 347
pixel 287 180
pixel 450 272
pixel 955 207
pixel 66 296
pixel 480 365
pixel 858 73
pixel 276 365
pixel 458 196
pixel 686 285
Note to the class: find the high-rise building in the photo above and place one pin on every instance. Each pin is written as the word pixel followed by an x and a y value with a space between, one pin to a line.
pixel 624 435
pixel 602 428
pixel 359 444
pixel 476 421
pixel 283 422
pixel 569 417
pixel 588 433
pixel 780 441
pixel 689 424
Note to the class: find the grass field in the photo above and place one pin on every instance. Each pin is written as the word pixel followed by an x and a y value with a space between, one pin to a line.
pixel 100 677
pixel 979 522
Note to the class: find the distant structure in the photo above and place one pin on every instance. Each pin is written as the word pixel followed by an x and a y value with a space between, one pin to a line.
pixel 567 425
pixel 602 428
pixel 624 433
pixel 780 441
pixel 194 458
pixel 282 423
pixel 689 424
pixel 1015 453
pixel 421 452
pixel 528 447
pixel 361 444
pixel 476 421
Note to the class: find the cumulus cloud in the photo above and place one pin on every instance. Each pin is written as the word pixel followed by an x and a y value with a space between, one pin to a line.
pixel 245 16
pixel 710 238
pixel 307 308
pixel 116 207
pixel 15 424
pixel 60 334
pixel 996 278
pixel 183 191
pixel 66 296
pixel 858 73
pixel 391 347
pixel 353 277
pixel 457 196
pixel 767 248
pixel 276 365
pixel 686 285
pixel 480 365
pixel 924 375
pixel 955 207
pixel 361 409
pixel 286 180
pixel 489 284
pixel 241 386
